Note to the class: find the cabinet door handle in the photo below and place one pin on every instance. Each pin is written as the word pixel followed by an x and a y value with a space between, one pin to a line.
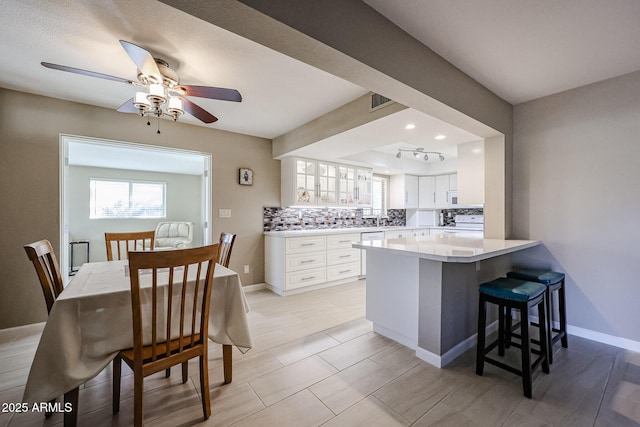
pixel 406 196
pixel 308 278
pixel 308 244
pixel 345 271
pixel 434 197
pixel 345 241
pixel 345 256
pixel 306 261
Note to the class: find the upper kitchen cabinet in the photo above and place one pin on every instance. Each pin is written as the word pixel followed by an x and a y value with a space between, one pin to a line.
pixel 444 185
pixel 427 192
pixel 308 182
pixel 404 192
pixel 354 186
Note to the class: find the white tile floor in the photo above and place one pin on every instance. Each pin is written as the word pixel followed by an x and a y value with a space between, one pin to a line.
pixel 317 362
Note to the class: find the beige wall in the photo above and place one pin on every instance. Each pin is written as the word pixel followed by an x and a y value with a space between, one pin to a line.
pixel 576 181
pixel 29 185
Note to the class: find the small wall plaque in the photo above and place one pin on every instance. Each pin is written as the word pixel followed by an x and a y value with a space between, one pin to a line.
pixel 246 176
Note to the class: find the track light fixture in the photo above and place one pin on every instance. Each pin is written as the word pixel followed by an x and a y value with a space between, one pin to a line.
pixel 419 152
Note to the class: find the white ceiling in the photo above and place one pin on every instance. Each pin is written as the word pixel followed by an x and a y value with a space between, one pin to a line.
pixel 525 49
pixel 519 49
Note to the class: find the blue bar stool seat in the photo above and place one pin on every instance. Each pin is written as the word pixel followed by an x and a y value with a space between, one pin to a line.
pixel 554 282
pixel 511 294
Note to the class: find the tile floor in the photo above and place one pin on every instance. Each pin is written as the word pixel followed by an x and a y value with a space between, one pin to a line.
pixel 316 362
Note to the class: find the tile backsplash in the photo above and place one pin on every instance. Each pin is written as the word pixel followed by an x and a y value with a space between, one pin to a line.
pixel 278 219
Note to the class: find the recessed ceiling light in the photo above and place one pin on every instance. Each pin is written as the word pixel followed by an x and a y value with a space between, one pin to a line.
pixel 410 126
pixel 439 137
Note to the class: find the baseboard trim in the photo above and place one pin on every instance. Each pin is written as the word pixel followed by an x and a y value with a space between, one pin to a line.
pixel 613 340
pixel 603 338
pixel 256 287
pixel 455 352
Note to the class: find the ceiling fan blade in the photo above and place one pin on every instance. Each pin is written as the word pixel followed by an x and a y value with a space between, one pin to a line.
pixel 86 73
pixel 212 92
pixel 143 60
pixel 198 112
pixel 128 107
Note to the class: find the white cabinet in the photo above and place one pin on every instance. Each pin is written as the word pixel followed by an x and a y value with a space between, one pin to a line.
pixel 293 263
pixel 444 185
pixel 442 191
pixel 308 182
pixel 398 234
pixel 404 192
pixel 421 232
pixel 354 186
pixel 427 192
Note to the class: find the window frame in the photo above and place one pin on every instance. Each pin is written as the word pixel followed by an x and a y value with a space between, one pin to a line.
pixel 131 183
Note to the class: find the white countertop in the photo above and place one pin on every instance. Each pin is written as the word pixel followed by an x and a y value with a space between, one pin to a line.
pixel 316 231
pixel 448 247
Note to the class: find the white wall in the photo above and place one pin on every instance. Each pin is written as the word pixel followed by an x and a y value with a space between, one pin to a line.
pixel 576 173
pixel 184 203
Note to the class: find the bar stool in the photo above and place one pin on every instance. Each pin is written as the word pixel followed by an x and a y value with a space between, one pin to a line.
pixel 509 293
pixel 554 282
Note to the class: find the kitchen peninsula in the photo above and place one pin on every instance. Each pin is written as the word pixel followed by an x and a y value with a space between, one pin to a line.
pixel 423 291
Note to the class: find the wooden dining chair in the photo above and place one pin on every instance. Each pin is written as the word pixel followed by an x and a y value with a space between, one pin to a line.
pixel 131 241
pixel 44 260
pixel 226 245
pixel 179 309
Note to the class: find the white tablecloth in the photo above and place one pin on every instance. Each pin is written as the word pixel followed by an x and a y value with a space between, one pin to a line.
pixel 91 321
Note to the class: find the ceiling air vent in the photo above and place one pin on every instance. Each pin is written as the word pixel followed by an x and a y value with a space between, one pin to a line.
pixel 379 101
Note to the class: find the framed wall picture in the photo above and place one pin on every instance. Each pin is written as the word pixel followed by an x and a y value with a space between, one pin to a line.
pixel 246 176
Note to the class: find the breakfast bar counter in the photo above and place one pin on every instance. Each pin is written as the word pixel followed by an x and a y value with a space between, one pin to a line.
pixel 423 292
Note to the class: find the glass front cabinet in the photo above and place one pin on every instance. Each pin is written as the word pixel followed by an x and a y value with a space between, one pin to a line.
pixel 307 182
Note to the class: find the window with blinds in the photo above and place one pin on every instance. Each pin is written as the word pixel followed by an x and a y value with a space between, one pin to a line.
pixel 127 199
pixel 379 196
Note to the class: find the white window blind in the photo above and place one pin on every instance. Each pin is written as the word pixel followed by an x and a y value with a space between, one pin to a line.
pixel 127 199
pixel 379 196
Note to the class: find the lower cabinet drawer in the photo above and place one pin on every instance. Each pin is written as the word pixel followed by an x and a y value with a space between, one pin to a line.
pixel 305 261
pixel 343 271
pixel 303 278
pixel 343 256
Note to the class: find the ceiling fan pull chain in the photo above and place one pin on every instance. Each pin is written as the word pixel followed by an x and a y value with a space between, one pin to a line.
pixel 158 125
pixel 148 121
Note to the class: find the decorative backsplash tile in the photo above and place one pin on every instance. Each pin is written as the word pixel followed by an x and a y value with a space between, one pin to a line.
pixel 278 219
pixel 449 214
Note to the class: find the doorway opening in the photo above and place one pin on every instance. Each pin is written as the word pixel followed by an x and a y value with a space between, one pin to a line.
pixel 185 176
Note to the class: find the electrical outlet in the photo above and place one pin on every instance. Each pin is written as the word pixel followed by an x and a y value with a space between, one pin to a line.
pixel 246 269
pixel 477 265
pixel 224 213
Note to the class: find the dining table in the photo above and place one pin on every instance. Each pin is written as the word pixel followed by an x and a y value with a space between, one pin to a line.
pixel 91 320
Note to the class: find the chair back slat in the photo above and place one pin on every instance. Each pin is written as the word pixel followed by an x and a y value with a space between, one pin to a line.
pixel 174 297
pixel 46 264
pixel 226 245
pixel 126 242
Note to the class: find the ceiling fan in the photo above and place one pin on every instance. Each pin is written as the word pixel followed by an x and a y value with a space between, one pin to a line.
pixel 163 94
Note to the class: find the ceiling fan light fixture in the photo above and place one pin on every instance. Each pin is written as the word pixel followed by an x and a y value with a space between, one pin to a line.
pixel 441 157
pixel 426 157
pixel 141 102
pixel 416 154
pixel 157 94
pixel 175 107
pixel 399 154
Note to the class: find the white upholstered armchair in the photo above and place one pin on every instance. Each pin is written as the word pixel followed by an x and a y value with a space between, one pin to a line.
pixel 174 235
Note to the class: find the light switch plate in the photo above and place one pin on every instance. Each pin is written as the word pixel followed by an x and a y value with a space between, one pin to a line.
pixel 224 213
